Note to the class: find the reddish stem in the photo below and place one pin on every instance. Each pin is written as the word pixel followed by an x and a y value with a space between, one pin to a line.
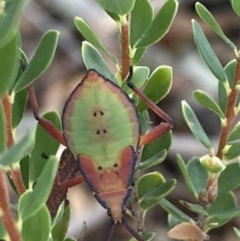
pixel 7 217
pixel 212 185
pixel 14 174
pixel 125 44
pixel 232 98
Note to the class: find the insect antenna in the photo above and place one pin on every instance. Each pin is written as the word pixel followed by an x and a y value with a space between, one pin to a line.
pixel 113 225
pixel 131 231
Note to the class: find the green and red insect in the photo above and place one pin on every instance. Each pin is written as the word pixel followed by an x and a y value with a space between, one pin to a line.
pixel 101 128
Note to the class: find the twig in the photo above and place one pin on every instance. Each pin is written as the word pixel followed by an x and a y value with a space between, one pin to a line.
pixel 15 174
pixel 125 43
pixel 232 98
pixel 6 216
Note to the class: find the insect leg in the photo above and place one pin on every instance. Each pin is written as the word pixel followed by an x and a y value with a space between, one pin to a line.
pixel 163 127
pixel 131 231
pixel 46 124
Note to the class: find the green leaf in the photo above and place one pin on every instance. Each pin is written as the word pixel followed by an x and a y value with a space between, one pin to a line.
pixel 9 65
pixel 141 17
pixel 114 16
pixel 140 74
pixel 94 60
pixel 153 161
pixel 235 133
pixel 230 69
pixel 158 86
pixel 60 228
pixel 144 121
pixel 194 208
pixel 19 105
pixel 236 6
pixel 3 130
pixel 44 143
pixel 224 202
pixel 138 54
pixel 186 176
pixel 174 211
pixel 197 173
pixel 9 23
pixel 208 18
pixel 3 232
pixel 38 225
pixel 159 26
pixel 194 125
pixel 40 61
pixel 161 143
pixel 205 100
pixel 36 198
pixel 207 54
pixel 229 179
pixel 151 188
pixel 91 37
pixel 24 166
pixel 18 150
pixel 120 7
pixel 237 231
pixel 69 239
pixel 233 140
pixel 229 214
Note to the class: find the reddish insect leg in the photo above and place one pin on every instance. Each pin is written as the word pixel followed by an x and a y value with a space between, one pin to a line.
pixel 46 124
pixel 163 127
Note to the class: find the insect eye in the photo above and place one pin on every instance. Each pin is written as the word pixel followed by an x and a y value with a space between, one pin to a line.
pixel 98 132
pixel 95 114
pixel 101 112
pixel 115 165
pixel 99 168
pixel 104 131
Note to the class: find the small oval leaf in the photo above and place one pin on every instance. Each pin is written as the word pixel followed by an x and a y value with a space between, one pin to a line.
pixel 39 223
pixel 9 65
pixel 9 23
pixel 158 86
pixel 205 100
pixel 194 125
pixel 18 150
pixel 229 179
pixel 44 144
pixel 208 18
pixel 19 105
pixel 159 26
pixel 91 37
pixel 236 6
pixel 40 61
pixel 186 176
pixel 161 143
pixel 174 211
pixel 153 161
pixel 36 198
pixel 207 54
pixel 141 17
pixel 94 60
pixel 120 7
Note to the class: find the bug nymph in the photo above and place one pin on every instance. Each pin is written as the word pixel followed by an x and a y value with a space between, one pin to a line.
pixel 101 129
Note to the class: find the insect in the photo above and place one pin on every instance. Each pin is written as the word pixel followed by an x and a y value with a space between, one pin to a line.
pixel 101 128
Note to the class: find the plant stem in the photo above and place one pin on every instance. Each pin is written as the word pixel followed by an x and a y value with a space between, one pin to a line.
pixel 14 174
pixel 212 186
pixel 125 44
pixel 232 98
pixel 7 217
